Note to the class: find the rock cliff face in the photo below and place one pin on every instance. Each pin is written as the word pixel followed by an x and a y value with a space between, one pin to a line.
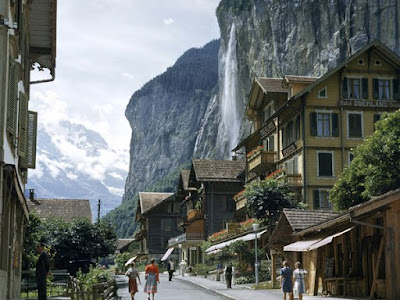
pixel 171 124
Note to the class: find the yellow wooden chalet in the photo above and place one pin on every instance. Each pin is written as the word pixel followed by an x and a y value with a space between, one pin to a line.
pixel 306 128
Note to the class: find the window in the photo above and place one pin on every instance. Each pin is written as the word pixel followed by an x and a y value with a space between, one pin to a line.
pixel 321 199
pixel 288 134
pixel 292 166
pixel 166 224
pixel 324 124
pixel 355 88
pixel 382 89
pixel 269 143
pixel 325 164
pixel 322 93
pixel 377 117
pixel 351 157
pixel 297 128
pixel 354 125
pixel 267 112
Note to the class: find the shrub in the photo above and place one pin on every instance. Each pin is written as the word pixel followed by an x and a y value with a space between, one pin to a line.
pixel 94 276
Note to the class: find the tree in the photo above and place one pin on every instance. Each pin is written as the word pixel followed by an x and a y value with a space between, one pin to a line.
pixel 375 168
pixel 71 243
pixel 266 199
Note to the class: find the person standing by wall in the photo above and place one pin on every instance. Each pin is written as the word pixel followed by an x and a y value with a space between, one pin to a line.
pixel 170 269
pixel 42 270
pixel 286 280
pixel 299 283
pixel 152 278
pixel 228 275
pixel 132 274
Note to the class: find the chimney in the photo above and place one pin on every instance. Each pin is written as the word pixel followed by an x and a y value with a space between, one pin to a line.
pixel 32 194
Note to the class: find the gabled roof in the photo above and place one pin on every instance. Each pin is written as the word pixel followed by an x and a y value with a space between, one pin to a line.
pixel 385 51
pixel 356 211
pixel 300 219
pixel 185 175
pixel 123 243
pixel 217 170
pixel 271 85
pixel 300 79
pixel 149 200
pixel 64 209
pixel 42 22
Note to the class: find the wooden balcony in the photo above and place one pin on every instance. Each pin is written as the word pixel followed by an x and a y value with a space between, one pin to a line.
pixel 261 161
pixel 294 180
pixel 240 200
pixel 194 214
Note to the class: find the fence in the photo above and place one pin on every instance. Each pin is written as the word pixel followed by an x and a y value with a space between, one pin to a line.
pixel 57 285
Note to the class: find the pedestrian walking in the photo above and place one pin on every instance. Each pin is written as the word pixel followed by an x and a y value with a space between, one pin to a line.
pixel 182 267
pixel 132 274
pixel 228 275
pixel 42 270
pixel 152 278
pixel 299 283
pixel 170 269
pixel 286 280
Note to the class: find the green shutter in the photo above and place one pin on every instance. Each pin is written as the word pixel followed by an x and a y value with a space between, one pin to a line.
pixel 316 199
pixel 364 87
pixel 335 125
pixel 313 121
pixel 396 89
pixel 23 124
pixel 12 102
pixel 375 85
pixel 29 161
pixel 344 88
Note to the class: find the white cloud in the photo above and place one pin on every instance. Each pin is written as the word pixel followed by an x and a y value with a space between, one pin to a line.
pixel 168 21
pixel 128 75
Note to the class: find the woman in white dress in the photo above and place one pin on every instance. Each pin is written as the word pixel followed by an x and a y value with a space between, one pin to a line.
pixel 299 283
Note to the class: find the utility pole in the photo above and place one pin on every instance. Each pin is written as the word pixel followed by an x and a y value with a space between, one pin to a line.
pixel 98 211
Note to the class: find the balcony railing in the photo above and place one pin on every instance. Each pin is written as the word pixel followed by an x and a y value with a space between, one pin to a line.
pixel 261 161
pixel 185 237
pixel 294 180
pixel 194 214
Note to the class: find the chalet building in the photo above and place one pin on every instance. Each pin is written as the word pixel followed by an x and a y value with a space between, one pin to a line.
pixel 62 209
pixel 305 128
pixel 123 245
pixel 157 214
pixel 27 39
pixel 355 253
pixel 206 192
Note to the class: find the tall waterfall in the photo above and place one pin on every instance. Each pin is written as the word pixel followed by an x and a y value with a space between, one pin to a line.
pixel 229 92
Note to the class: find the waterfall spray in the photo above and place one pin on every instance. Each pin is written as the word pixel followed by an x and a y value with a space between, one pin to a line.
pixel 230 116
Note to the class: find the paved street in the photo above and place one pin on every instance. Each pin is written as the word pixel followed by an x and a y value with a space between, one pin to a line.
pixel 194 288
pixel 176 289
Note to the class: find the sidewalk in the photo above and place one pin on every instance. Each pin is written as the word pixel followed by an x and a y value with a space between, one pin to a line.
pixel 244 292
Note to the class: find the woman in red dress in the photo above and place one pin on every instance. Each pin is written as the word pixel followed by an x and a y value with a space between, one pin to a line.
pixel 132 274
pixel 152 278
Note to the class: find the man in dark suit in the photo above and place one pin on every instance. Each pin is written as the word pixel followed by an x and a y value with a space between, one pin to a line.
pixel 42 269
pixel 170 269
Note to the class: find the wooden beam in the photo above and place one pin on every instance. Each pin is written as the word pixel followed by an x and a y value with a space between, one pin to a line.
pixel 376 269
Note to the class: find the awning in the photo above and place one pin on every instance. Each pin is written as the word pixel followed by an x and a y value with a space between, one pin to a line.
pixel 300 246
pixel 250 236
pixel 131 260
pixel 328 239
pixel 247 237
pixel 169 251
pixel 308 245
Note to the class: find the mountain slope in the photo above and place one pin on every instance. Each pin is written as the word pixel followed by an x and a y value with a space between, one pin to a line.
pixel 75 162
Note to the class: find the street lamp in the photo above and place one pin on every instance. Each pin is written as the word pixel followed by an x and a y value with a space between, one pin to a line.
pixel 255 228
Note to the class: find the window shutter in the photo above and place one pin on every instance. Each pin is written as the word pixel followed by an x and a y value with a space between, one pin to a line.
pixel 23 124
pixel 316 199
pixel 376 88
pixel 344 88
pixel 364 83
pixel 335 125
pixel 313 119
pixel 12 102
pixel 396 89
pixel 29 161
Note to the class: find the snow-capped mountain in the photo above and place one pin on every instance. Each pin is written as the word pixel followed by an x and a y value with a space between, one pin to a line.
pixel 75 162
